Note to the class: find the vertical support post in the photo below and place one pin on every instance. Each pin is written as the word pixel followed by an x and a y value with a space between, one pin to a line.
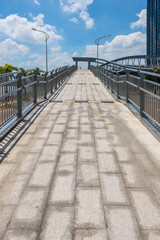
pixel 89 64
pixel 76 65
pixel 112 82
pixel 117 85
pixel 35 86
pixel 142 77
pixel 56 79
pixel 107 78
pixel 19 96
pixel 127 86
pixel 52 82
pixel 45 86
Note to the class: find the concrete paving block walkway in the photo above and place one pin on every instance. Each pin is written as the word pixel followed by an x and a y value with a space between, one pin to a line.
pixel 83 168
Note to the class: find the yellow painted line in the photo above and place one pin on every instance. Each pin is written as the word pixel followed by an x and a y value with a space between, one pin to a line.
pixel 75 83
pixel 68 101
pixel 115 102
pixel 88 83
pixel 94 101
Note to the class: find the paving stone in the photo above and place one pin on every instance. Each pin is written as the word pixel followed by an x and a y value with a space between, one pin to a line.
pixel 121 224
pixel 152 235
pixel 85 120
pixel 86 138
pixel 72 133
pixel 154 184
pixel 113 189
pixel 49 153
pixel 27 163
pixel 67 159
pixel 89 210
pixel 25 139
pixel 36 146
pixel 132 175
pixel 29 211
pixel 147 164
pixel 85 128
pixel 6 213
pixel 58 128
pixel 103 145
pixel 42 133
pixel 73 124
pixel 58 224
pixel 63 189
pixel 12 190
pixel 123 154
pixel 61 120
pixel 87 153
pixel 147 209
pixel 14 153
pixel 91 234
pixel 54 139
pixel 98 124
pixel 48 124
pixel 69 146
pixel 5 169
pixel 107 162
pixel 100 133
pixel 42 175
pixel 88 174
pixel 20 235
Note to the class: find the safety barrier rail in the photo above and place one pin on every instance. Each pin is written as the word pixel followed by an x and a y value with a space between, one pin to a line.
pixel 140 88
pixel 22 91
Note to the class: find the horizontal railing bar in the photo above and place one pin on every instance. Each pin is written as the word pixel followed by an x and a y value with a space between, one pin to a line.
pixel 8 82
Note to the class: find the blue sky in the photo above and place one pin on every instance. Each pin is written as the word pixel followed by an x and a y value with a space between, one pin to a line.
pixel 73 26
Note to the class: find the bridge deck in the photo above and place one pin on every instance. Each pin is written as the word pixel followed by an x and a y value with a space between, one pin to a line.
pixel 81 171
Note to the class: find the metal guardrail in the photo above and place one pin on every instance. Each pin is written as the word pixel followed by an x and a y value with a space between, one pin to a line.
pixel 139 61
pixel 20 93
pixel 140 88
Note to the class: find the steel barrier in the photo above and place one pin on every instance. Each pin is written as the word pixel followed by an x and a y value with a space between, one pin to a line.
pixel 139 88
pixel 22 91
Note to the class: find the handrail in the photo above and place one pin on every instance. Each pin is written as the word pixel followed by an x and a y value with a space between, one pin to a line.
pixel 138 88
pixel 17 94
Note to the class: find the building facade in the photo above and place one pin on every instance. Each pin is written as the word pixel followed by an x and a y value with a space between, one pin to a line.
pixel 153 27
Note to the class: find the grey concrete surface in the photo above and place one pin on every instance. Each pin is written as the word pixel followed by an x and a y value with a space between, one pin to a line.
pixel 82 170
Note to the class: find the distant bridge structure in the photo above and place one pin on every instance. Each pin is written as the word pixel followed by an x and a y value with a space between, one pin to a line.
pixel 136 61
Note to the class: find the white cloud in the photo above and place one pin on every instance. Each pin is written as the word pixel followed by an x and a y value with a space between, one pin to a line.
pixel 56 58
pixel 73 6
pixel 120 46
pixel 142 20
pixel 75 20
pixel 20 28
pixel 10 50
pixel 87 19
pixel 36 2
pixel 74 54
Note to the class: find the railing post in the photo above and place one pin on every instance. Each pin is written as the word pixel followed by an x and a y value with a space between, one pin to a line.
pixel 111 82
pixel 52 82
pixel 19 95
pixel 107 78
pixel 45 86
pixel 56 78
pixel 142 77
pixel 127 86
pixel 35 87
pixel 117 85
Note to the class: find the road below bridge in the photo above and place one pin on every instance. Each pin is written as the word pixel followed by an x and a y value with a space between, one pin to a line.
pixel 84 168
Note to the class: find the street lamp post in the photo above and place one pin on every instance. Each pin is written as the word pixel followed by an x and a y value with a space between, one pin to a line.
pixel 97 43
pixel 47 37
